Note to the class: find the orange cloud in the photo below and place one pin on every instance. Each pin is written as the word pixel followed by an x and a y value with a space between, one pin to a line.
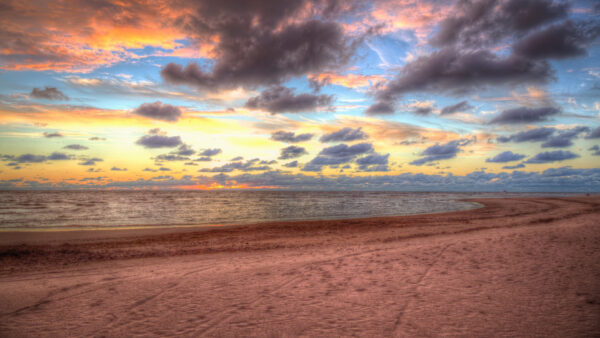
pixel 79 36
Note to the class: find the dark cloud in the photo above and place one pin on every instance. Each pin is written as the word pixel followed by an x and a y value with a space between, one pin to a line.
pixel 75 147
pixel 454 71
pixel 58 157
pixel 533 135
pixel 549 136
pixel 164 169
pixel 518 166
pixel 31 158
pixel 552 156
pixel 291 152
pixel 475 23
pixel 203 159
pixel 455 108
pixel 373 162
pixel 594 134
pixel 158 111
pixel 565 138
pixel 293 164
pixel 525 115
pixel 290 137
pixel 90 161
pixel 48 93
pixel 423 111
pixel 210 152
pixel 564 40
pixel 237 158
pixel 185 150
pixel 250 165
pixel 182 153
pixel 345 135
pixel 278 99
pixel 54 134
pixel 338 154
pixel 565 179
pixel 507 156
pixel 96 138
pixel 171 157
pixel 118 169
pixel 155 139
pixel 268 53
pixel 381 108
pixel 343 150
pixel 440 152
pixel 595 150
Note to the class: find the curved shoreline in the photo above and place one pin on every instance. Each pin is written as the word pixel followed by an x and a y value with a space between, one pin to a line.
pixel 68 228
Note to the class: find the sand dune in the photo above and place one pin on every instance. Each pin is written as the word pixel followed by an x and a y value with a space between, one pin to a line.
pixel 517 267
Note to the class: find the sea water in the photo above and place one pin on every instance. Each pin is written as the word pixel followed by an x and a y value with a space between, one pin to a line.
pixel 110 209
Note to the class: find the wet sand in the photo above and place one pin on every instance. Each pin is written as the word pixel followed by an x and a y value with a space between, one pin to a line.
pixel 517 267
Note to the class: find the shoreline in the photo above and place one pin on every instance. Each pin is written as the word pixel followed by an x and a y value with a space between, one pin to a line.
pixel 75 228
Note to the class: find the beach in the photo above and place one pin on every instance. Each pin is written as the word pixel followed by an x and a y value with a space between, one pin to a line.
pixel 514 267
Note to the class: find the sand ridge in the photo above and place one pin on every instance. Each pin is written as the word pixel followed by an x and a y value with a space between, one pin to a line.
pixel 516 267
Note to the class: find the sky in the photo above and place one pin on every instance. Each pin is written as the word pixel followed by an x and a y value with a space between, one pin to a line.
pixel 467 95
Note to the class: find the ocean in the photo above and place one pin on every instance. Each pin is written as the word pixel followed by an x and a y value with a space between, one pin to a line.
pixel 126 209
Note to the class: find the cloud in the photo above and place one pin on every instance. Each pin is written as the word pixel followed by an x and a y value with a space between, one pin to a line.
pixel 423 111
pixel 594 134
pixel 381 108
pixel 440 152
pixel 455 108
pixel 564 40
pixel 338 154
pixel 564 138
pixel 48 93
pixel 75 147
pixel 456 72
pixel 345 135
pixel 250 165
pixel 155 140
pixel 595 150
pixel 31 158
pixel 90 161
pixel 158 111
pixel 547 135
pixel 96 138
pixel 293 164
pixel 525 115
pixel 210 152
pixel 507 156
pixel 290 137
pixel 518 166
pixel 118 169
pixel 282 45
pixel 278 99
pixel 552 156
pixel 51 135
pixel 292 152
pixel 483 22
pixel 532 135
pixel 564 179
pixel 185 150
pixel 373 162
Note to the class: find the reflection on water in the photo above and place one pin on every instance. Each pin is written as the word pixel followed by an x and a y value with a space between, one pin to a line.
pixel 46 209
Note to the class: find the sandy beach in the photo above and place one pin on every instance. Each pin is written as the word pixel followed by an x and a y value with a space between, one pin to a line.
pixel 515 267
